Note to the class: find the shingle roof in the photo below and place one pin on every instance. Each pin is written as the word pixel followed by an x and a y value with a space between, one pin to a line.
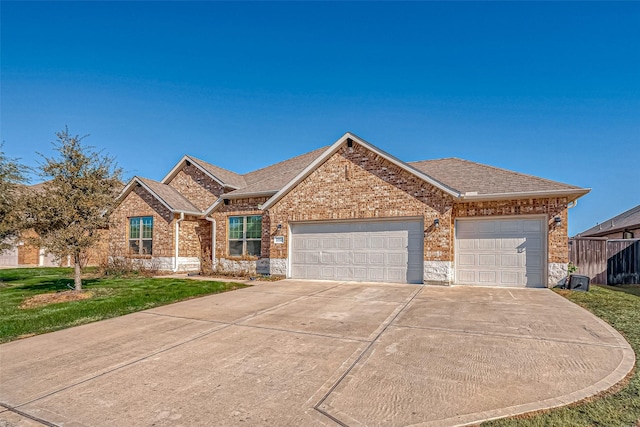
pixel 223 175
pixel 468 177
pixel 627 219
pixel 273 178
pixel 170 196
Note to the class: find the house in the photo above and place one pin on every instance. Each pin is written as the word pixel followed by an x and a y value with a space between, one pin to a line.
pixel 351 211
pixel 623 226
pixel 25 254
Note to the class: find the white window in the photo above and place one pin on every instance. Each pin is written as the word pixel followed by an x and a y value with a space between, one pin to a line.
pixel 141 235
pixel 245 235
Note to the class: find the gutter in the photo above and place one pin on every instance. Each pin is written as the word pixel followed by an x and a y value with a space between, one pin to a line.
pixel 474 196
pixel 213 240
pixel 177 240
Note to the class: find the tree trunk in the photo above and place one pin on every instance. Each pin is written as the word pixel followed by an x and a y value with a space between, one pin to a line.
pixel 77 278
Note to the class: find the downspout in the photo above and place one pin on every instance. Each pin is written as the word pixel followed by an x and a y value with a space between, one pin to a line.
pixel 213 241
pixel 177 235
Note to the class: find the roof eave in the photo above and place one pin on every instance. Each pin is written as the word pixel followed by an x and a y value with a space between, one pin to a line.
pixel 571 193
pixel 334 148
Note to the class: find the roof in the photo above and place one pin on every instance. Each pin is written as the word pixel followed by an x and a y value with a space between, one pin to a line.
pixel 167 195
pixel 475 180
pixel 271 179
pixel 226 177
pixel 628 219
pixel 461 179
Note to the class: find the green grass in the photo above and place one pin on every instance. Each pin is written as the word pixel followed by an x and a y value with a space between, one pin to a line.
pixel 620 307
pixel 112 297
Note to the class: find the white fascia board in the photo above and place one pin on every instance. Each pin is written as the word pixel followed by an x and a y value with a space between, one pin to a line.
pixel 181 163
pixel 126 190
pixel 474 197
pixel 334 148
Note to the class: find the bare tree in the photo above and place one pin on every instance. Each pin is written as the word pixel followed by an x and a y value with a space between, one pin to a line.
pixel 12 175
pixel 75 200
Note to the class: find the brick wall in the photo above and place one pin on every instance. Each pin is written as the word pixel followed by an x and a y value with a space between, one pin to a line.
pixel 200 189
pixel 195 238
pixel 358 184
pixel 243 207
pixel 140 202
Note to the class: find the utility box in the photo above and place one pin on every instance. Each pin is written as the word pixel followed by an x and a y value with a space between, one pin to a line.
pixel 577 282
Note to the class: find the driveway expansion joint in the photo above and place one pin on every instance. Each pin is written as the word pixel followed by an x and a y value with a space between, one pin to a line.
pixel 318 406
pixel 10 408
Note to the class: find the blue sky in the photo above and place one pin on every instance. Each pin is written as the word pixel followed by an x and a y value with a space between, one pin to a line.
pixel 549 89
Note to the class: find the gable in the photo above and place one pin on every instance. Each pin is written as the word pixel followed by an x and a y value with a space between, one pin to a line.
pixel 358 183
pixel 196 186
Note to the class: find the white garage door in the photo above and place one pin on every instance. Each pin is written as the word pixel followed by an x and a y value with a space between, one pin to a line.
pixel 371 251
pixel 503 252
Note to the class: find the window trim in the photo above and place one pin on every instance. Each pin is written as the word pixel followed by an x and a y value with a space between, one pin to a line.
pixel 244 239
pixel 140 239
pixel 626 234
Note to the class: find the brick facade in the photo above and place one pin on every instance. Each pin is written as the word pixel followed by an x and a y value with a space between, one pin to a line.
pixel 198 187
pixel 356 183
pixel 353 183
pixel 239 207
pixel 141 203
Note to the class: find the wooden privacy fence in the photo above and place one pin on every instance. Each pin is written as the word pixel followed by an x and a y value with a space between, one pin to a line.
pixel 611 262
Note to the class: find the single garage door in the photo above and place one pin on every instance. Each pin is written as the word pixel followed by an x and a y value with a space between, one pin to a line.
pixel 367 251
pixel 501 252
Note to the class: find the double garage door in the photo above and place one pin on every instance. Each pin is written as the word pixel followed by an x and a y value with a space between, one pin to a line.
pixel 369 251
pixel 502 252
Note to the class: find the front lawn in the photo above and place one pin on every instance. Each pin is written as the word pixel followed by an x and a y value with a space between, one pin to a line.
pixel 620 307
pixel 109 297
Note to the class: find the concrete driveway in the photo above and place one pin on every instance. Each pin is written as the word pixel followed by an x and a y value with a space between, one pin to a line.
pixel 317 353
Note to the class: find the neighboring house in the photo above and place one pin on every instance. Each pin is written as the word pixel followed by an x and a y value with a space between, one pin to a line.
pixel 609 253
pixel 27 255
pixel 623 226
pixel 351 212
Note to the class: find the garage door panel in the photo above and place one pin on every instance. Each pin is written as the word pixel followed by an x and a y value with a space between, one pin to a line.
pixel 359 250
pixel 510 260
pixel 533 244
pixel 487 277
pixel 467 259
pixel 395 259
pixel 487 227
pixel 534 226
pixel 509 278
pixel 489 260
pixel 360 258
pixel 513 254
pixel 467 276
pixel 509 226
pixel 360 274
pixel 328 244
pixel 377 242
pixel 376 258
pixel 327 272
pixel 486 244
pixel 467 243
